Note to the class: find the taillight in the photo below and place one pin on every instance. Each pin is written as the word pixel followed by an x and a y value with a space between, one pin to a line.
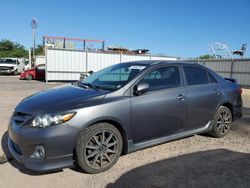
pixel 239 90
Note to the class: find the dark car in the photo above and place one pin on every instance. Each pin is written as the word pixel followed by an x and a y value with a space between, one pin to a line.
pixel 35 73
pixel 118 110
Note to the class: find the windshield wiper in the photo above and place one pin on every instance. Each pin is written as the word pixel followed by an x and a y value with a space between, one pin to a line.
pixel 87 85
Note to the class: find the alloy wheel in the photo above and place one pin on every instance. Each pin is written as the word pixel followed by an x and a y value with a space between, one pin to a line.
pixel 101 150
pixel 223 122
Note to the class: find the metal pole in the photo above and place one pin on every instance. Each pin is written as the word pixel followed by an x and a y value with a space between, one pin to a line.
pixel 34 44
pixel 46 65
pixel 30 58
pixel 231 68
pixel 34 26
pixel 84 45
pixel 86 61
pixel 103 45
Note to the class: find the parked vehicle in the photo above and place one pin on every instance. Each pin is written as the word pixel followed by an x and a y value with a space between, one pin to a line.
pixel 11 66
pixel 35 73
pixel 118 110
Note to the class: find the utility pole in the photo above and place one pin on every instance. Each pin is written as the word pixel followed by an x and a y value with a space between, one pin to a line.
pixel 34 26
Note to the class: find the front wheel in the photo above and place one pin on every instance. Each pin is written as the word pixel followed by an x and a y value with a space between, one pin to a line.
pixel 15 72
pixel 222 122
pixel 98 148
pixel 29 77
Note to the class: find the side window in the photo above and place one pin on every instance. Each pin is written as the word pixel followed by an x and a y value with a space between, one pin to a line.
pixel 41 67
pixel 195 75
pixel 212 78
pixel 163 78
pixel 153 75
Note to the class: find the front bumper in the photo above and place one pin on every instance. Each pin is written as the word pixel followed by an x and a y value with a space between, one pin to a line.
pixel 6 71
pixel 58 142
pixel 22 76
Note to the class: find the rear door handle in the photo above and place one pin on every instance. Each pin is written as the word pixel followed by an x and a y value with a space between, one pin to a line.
pixel 180 97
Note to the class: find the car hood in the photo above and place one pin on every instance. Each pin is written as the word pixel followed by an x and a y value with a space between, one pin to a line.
pixel 59 99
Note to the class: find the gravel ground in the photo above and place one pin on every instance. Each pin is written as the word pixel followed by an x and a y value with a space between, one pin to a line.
pixel 197 161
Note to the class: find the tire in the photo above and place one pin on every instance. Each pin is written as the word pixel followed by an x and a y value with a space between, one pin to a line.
pixel 15 72
pixel 222 122
pixel 94 154
pixel 29 77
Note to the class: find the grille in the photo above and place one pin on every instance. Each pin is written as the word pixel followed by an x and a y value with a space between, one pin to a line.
pixel 20 117
pixel 6 68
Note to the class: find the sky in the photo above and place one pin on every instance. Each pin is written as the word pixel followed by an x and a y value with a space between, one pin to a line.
pixel 181 28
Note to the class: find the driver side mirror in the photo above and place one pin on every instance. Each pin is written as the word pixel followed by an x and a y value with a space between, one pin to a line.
pixel 141 88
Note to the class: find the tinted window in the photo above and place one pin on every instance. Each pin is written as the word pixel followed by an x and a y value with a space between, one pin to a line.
pixel 163 78
pixel 42 67
pixel 212 78
pixel 116 76
pixel 195 75
pixel 121 74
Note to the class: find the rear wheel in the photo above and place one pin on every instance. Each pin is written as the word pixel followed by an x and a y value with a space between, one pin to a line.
pixel 222 122
pixel 98 148
pixel 29 77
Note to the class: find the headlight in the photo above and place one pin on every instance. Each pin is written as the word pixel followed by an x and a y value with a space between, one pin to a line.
pixel 46 120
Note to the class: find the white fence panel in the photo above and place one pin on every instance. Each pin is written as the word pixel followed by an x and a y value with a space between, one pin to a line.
pixel 65 64
pixel 126 58
pixel 40 60
pixel 97 61
pixel 62 64
pixel 163 58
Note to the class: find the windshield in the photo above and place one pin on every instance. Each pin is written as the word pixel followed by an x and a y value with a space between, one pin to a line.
pixel 8 61
pixel 114 77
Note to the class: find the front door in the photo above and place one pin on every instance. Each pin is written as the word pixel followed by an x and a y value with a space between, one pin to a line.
pixel 162 110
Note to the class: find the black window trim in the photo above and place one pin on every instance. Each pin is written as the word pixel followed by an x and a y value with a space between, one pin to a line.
pixel 157 67
pixel 209 72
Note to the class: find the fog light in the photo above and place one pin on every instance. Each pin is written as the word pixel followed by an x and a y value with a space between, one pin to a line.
pixel 39 153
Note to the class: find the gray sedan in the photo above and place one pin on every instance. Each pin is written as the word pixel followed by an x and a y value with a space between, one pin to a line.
pixel 118 110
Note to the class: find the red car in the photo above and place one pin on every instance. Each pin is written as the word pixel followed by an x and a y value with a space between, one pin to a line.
pixel 36 73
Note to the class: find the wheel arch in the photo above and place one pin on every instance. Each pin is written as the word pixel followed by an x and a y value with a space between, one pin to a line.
pixel 230 106
pixel 30 73
pixel 120 128
pixel 226 104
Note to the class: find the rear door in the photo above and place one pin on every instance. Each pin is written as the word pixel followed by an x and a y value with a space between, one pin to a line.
pixel 161 111
pixel 203 95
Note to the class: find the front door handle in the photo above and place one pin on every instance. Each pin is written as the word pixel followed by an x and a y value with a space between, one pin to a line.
pixel 180 97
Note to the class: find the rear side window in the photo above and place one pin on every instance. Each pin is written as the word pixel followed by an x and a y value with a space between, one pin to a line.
pixel 212 78
pixel 163 78
pixel 195 75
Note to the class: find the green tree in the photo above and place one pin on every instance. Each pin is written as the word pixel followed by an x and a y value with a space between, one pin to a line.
pixel 12 49
pixel 39 50
pixel 206 56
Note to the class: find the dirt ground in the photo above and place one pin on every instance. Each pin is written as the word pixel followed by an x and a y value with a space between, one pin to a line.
pixel 197 161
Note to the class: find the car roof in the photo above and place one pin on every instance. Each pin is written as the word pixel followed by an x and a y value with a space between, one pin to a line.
pixel 161 62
